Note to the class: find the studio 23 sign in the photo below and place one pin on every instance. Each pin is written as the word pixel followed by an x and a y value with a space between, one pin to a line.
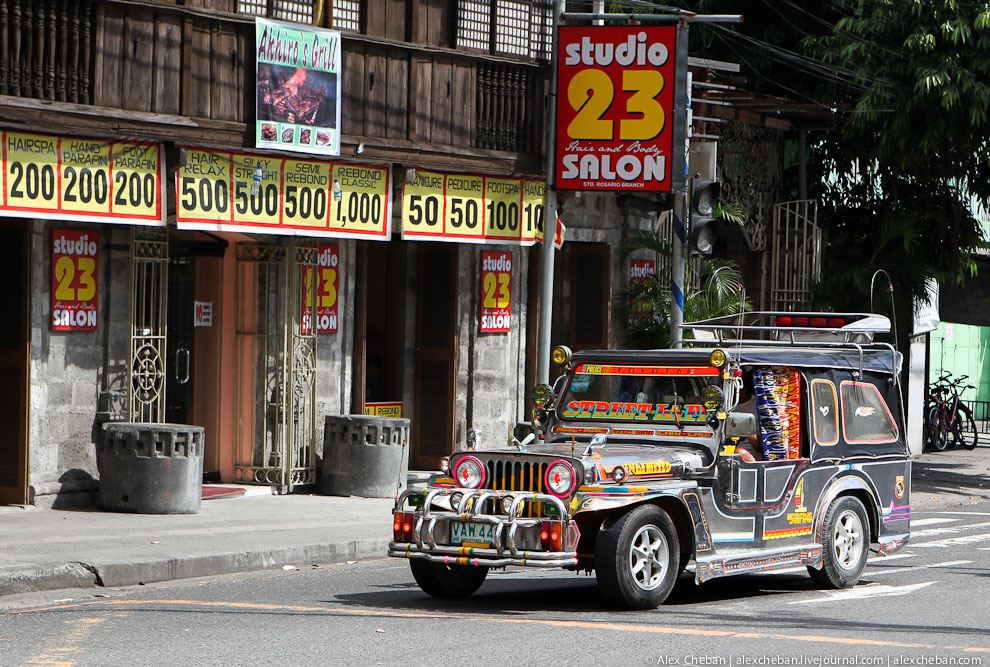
pixel 75 263
pixel 496 291
pixel 76 178
pixel 242 192
pixel 615 108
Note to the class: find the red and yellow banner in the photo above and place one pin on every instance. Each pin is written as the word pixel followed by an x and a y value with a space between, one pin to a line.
pixel 75 178
pixel 392 410
pixel 75 266
pixel 328 277
pixel 615 107
pixel 470 208
pixel 243 192
pixel 496 291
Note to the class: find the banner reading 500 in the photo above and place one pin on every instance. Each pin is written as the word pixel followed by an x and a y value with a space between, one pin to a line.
pixel 74 178
pixel 230 191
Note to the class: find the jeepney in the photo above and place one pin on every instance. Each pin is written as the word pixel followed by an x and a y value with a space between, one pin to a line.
pixel 635 470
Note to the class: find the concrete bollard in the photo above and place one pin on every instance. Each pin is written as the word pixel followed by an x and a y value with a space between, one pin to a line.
pixel 364 456
pixel 151 468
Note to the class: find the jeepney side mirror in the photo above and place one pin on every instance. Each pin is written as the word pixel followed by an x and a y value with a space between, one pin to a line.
pixel 740 425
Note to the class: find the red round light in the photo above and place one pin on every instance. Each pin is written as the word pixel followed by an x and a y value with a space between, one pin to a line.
pixel 836 322
pixel 818 321
pixel 800 321
pixel 406 527
pixel 544 536
pixel 554 536
pixel 396 526
pixel 737 373
pixel 784 321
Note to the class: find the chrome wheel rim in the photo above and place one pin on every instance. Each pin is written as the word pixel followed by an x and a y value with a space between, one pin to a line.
pixel 648 557
pixel 847 542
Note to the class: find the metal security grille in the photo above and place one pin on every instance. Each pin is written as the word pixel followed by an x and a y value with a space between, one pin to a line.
pixel 149 286
pixel 505 27
pixel 796 255
pixel 692 269
pixel 516 476
pixel 275 390
pixel 297 11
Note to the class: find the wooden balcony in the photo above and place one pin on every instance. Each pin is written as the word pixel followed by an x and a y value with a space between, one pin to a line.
pixel 159 70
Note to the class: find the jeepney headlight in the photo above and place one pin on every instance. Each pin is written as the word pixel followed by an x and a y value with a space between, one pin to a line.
pixel 507 503
pixel 619 474
pixel 560 478
pixel 444 464
pixel 717 358
pixel 455 501
pixel 561 355
pixel 469 473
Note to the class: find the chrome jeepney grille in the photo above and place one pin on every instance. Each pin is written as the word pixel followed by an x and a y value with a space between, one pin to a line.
pixel 516 476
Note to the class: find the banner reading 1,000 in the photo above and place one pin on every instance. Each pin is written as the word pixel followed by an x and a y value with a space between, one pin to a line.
pixel 230 191
pixel 74 178
pixel 472 209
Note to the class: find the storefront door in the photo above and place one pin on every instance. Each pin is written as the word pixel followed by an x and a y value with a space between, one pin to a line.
pixel 13 363
pixel 436 355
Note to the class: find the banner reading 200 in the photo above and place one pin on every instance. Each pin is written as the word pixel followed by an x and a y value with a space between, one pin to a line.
pixel 77 178
pixel 232 191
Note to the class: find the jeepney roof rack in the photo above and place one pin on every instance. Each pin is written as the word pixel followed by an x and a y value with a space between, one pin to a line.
pixel 788 328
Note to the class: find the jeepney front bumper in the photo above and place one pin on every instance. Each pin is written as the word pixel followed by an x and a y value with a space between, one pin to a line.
pixel 514 540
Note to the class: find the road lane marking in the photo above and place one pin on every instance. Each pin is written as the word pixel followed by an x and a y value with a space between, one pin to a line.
pixel 954 512
pixel 868 591
pixel 952 541
pixel 930 521
pixel 948 563
pixel 69 642
pixel 447 616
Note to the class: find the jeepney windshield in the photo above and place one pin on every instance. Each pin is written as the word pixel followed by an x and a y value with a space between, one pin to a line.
pixel 670 395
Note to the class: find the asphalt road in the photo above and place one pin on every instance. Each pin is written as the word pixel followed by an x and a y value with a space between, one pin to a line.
pixel 927 605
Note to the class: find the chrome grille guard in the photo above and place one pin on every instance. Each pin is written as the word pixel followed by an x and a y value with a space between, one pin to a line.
pixel 424 543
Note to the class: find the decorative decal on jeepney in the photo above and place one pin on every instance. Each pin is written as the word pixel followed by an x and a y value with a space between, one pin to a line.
pixel 641 470
pixel 632 431
pixel 684 434
pixel 602 369
pixel 569 429
pixel 899 486
pixel 799 517
pixel 703 541
pixel 786 532
pixel 895 514
pixel 865 411
pixel 658 412
pixel 799 497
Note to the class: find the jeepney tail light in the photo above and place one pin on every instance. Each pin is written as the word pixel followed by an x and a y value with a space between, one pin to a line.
pixel 551 536
pixel 402 526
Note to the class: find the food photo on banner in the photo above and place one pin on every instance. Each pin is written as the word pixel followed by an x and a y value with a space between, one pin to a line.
pixel 298 88
pixel 615 108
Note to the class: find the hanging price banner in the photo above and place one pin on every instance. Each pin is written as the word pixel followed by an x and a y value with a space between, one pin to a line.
pixel 469 208
pixel 496 291
pixel 73 178
pixel 75 264
pixel 242 192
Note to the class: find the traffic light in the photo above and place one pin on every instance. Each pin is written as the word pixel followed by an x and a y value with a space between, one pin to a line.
pixel 704 196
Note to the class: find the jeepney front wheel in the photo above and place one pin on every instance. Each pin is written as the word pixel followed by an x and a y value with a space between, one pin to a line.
pixel 637 558
pixel 845 544
pixel 447 581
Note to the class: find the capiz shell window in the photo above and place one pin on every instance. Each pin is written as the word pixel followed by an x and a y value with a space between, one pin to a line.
pixel 825 414
pixel 865 416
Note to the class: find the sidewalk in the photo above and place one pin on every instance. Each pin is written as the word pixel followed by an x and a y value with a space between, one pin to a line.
pixel 50 549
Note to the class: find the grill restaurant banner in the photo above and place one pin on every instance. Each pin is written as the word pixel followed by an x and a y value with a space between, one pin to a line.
pixel 298 88
pixel 75 266
pixel 615 108
pixel 468 208
pixel 240 192
pixel 75 178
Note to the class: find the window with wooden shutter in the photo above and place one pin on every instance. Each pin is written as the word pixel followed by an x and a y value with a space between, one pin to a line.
pixel 505 27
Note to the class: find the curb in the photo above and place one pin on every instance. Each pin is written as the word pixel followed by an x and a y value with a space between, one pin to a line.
pixel 113 574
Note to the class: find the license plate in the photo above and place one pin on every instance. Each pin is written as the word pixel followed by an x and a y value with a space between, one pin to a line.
pixel 469 531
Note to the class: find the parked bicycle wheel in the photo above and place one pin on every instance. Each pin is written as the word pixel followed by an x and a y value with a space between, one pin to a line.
pixel 965 432
pixel 936 437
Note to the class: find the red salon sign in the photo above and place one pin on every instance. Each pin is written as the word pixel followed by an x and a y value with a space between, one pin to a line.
pixel 496 291
pixel 75 262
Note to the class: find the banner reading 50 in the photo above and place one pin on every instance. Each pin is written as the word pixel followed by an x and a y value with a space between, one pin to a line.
pixel 244 192
pixel 82 179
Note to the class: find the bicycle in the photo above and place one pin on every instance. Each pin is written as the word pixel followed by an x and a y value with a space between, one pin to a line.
pixel 946 414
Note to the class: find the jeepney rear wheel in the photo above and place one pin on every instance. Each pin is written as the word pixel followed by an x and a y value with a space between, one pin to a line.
pixel 447 581
pixel 845 544
pixel 637 558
